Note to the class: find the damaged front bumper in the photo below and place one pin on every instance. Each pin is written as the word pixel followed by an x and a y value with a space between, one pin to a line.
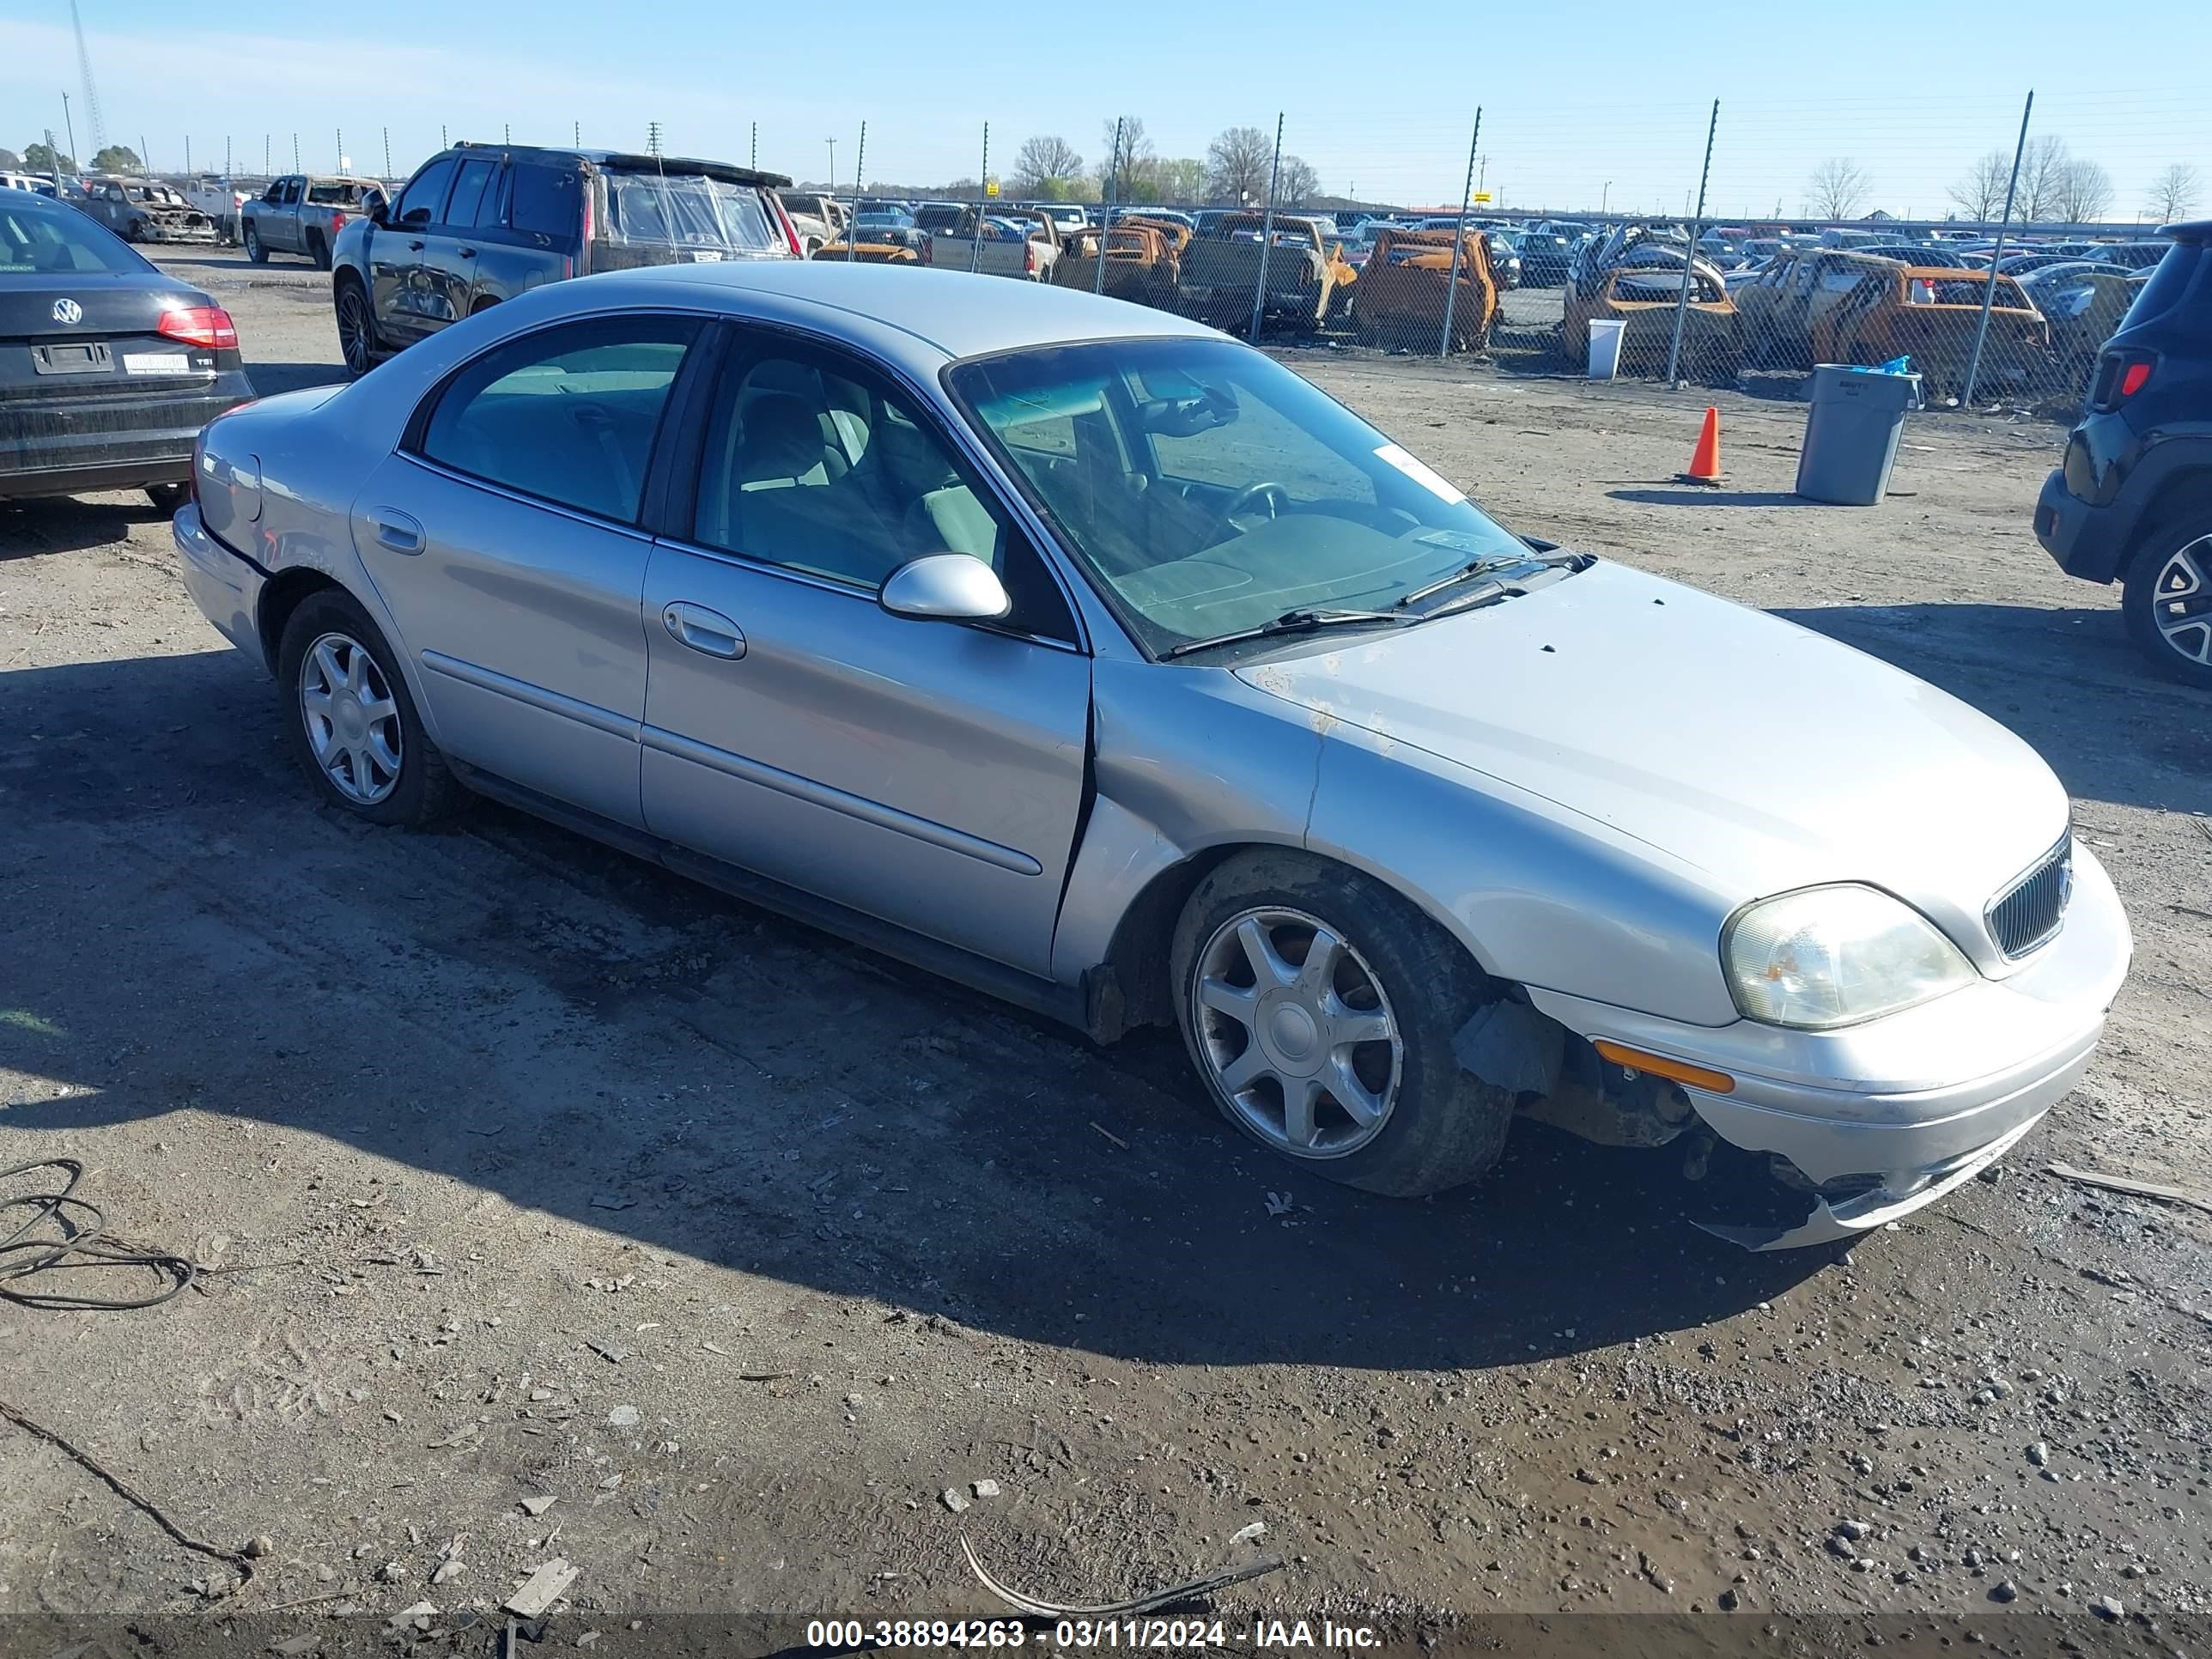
pixel 1883 1118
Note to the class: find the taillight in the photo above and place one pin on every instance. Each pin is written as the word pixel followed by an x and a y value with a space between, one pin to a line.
pixel 200 325
pixel 337 222
pixel 783 218
pixel 1029 258
pixel 2120 375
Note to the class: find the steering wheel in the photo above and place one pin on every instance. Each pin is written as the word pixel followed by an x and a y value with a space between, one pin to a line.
pixel 1274 495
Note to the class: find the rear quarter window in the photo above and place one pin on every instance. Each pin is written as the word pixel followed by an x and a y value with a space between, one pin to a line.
pixel 546 201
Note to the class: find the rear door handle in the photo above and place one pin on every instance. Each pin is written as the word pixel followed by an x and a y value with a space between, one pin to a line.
pixel 415 246
pixel 396 530
pixel 703 630
pixel 468 253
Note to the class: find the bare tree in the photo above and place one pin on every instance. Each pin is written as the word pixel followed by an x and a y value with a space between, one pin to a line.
pixel 1838 189
pixel 1237 163
pixel 1981 194
pixel 2173 193
pixel 1128 171
pixel 2043 167
pixel 1299 183
pixel 1046 157
pixel 2085 191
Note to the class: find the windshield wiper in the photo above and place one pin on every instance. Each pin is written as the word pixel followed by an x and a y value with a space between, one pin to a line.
pixel 1481 567
pixel 1296 622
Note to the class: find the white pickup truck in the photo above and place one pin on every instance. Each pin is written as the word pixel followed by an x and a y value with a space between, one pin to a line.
pixel 1004 249
pixel 218 199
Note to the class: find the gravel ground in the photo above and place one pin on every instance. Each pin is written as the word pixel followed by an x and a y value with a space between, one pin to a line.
pixel 538 1174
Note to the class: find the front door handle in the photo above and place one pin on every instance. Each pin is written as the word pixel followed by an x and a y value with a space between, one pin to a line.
pixel 703 630
pixel 468 253
pixel 396 530
pixel 415 246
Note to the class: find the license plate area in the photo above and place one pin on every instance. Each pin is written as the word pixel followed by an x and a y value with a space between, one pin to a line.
pixel 92 357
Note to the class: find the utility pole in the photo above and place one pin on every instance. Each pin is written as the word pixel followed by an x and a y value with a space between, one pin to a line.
pixel 1604 196
pixel 982 188
pixel 388 153
pixel 339 133
pixel 295 152
pixel 145 158
pixel 754 163
pixel 833 167
pixel 266 170
pixel 188 152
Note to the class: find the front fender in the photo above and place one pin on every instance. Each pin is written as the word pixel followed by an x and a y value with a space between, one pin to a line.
pixel 1540 895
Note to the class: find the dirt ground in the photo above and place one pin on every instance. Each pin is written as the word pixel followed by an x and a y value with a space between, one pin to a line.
pixel 536 1173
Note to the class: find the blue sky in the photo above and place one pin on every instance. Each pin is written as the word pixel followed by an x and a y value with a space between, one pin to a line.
pixel 1582 101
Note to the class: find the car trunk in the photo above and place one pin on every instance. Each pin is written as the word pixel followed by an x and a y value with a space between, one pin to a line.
pixel 103 385
pixel 644 215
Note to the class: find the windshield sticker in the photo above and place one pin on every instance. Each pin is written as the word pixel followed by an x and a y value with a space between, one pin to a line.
pixel 1420 472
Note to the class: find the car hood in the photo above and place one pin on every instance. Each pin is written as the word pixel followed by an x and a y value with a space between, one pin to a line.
pixel 1763 754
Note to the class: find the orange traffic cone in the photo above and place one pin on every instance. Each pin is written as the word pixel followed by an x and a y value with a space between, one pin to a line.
pixel 1705 458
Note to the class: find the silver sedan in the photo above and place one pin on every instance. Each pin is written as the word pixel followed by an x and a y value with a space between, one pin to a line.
pixel 1093 659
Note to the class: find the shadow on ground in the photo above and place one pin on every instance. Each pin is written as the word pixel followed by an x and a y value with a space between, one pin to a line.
pixel 1700 497
pixel 776 1102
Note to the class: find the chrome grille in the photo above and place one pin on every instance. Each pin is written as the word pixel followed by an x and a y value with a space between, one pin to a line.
pixel 2029 912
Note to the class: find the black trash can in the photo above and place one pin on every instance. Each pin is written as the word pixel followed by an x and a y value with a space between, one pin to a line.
pixel 1851 433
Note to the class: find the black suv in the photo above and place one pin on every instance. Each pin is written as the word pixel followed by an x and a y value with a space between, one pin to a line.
pixel 479 223
pixel 2134 497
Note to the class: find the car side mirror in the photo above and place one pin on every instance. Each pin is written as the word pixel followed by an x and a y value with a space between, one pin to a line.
pixel 379 214
pixel 947 587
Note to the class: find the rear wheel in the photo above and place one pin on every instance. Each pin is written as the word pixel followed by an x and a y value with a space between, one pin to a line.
pixel 319 250
pixel 1320 1008
pixel 254 251
pixel 166 497
pixel 353 727
pixel 2167 597
pixel 356 328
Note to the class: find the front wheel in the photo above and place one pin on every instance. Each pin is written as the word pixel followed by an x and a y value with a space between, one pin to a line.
pixel 254 251
pixel 2167 597
pixel 356 329
pixel 1320 1009
pixel 352 728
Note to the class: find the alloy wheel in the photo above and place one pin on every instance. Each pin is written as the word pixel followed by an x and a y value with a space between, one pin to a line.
pixel 351 718
pixel 2181 601
pixel 353 331
pixel 1297 1032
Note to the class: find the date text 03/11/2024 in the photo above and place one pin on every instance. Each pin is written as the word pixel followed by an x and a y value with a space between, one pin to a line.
pixel 1143 1635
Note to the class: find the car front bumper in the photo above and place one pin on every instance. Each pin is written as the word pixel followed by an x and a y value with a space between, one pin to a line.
pixel 226 586
pixel 1883 1118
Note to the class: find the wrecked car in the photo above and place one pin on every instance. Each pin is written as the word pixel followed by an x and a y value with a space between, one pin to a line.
pixel 1931 313
pixel 141 212
pixel 1400 298
pixel 1007 241
pixel 1073 651
pixel 1648 298
pixel 1221 272
pixel 1139 266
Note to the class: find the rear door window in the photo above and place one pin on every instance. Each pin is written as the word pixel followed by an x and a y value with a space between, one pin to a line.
pixel 568 414
pixel 546 201
pixel 468 191
pixel 423 197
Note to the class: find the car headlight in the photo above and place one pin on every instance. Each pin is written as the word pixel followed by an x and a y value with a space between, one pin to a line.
pixel 1835 956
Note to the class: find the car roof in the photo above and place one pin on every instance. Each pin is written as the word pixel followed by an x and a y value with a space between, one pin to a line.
pixel 958 313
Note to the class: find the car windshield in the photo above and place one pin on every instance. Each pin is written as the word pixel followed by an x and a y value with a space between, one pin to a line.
pixel 688 210
pixel 46 240
pixel 1210 489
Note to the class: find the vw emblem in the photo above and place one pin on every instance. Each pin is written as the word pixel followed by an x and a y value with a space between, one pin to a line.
pixel 68 310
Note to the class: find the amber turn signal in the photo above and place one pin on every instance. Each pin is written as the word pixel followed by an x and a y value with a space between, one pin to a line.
pixel 1698 1077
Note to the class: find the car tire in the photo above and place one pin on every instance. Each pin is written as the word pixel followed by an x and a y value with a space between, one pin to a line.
pixel 254 251
pixel 356 327
pixel 168 497
pixel 319 250
pixel 1395 972
pixel 348 752
pixel 2166 597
